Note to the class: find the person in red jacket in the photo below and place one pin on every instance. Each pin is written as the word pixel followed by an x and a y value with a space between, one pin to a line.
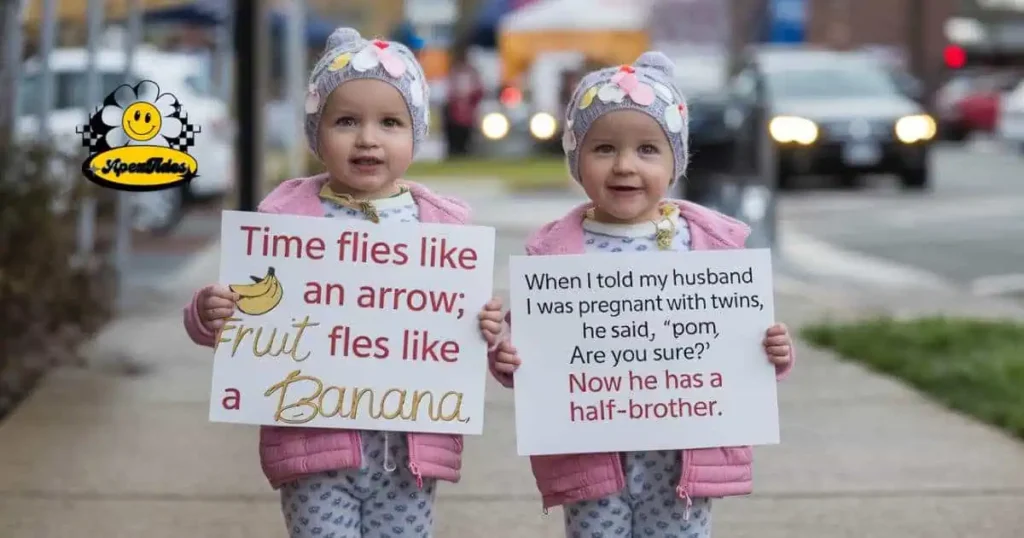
pixel 465 91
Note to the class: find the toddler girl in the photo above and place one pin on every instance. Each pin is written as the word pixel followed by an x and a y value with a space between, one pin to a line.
pixel 626 141
pixel 366 114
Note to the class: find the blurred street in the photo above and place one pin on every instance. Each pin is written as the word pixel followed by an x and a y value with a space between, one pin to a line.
pixel 961 233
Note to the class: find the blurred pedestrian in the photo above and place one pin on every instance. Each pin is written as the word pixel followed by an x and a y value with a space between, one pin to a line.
pixel 366 114
pixel 465 91
pixel 626 143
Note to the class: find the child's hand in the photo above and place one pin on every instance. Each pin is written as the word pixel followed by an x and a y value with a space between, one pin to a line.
pixel 778 345
pixel 216 304
pixel 506 360
pixel 491 319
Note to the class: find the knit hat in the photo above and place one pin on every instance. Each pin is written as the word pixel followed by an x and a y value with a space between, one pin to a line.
pixel 645 86
pixel 350 57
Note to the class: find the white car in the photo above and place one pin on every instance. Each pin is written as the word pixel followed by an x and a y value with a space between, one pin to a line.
pixel 1010 122
pixel 182 75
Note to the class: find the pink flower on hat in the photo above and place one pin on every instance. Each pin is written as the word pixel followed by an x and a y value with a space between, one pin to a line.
pixel 625 83
pixel 379 52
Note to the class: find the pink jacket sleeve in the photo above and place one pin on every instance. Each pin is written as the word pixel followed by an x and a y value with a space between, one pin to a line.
pixel 193 325
pixel 505 379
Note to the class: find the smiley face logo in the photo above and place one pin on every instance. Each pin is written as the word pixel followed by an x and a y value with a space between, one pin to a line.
pixel 141 121
pixel 141 116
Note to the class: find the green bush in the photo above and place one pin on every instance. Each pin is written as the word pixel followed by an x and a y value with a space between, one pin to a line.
pixel 51 301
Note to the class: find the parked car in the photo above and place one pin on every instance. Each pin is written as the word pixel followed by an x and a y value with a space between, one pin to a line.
pixel 180 74
pixel 829 113
pixel 969 103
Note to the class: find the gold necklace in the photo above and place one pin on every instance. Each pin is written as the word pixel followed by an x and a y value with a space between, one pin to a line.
pixel 664 228
pixel 366 207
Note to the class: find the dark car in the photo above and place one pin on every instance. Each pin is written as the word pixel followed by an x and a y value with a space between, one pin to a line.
pixel 703 81
pixel 829 113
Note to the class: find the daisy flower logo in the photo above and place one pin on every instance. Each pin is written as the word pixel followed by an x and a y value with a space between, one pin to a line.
pixel 141 116
pixel 138 140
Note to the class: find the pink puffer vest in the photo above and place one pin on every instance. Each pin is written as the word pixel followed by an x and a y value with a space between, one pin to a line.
pixel 288 453
pixel 709 472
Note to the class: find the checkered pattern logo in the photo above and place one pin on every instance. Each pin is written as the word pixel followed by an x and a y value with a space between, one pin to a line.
pixel 94 135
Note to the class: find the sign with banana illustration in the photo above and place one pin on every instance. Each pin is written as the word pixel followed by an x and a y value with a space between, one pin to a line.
pixel 346 324
pixel 261 296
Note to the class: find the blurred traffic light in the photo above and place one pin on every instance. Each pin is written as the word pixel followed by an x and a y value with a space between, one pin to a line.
pixel 954 56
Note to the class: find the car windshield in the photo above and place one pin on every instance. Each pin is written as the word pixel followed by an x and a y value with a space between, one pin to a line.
pixel 829 82
pixel 69 89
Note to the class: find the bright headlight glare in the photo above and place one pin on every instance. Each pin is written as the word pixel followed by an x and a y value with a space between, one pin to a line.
pixel 494 126
pixel 787 129
pixel 916 128
pixel 543 126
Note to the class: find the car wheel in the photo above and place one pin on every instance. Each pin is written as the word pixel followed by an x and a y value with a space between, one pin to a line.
pixel 915 178
pixel 784 178
pixel 158 212
pixel 849 181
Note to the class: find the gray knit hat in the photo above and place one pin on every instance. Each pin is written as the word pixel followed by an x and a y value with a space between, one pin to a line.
pixel 350 57
pixel 645 86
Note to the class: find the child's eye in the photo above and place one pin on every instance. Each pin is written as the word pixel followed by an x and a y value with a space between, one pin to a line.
pixel 391 123
pixel 604 148
pixel 346 121
pixel 649 149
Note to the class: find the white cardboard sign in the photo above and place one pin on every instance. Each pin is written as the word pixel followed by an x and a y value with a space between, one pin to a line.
pixel 355 325
pixel 651 351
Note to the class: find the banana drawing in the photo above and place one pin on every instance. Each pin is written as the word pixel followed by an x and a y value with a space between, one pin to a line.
pixel 261 296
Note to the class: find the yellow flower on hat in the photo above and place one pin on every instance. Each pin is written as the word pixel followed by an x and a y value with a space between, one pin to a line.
pixel 340 62
pixel 588 98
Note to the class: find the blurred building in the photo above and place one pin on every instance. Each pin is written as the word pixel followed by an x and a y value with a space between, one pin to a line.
pixel 913 30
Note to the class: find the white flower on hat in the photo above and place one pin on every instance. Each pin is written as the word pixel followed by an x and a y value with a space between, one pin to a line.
pixel 663 92
pixel 568 139
pixel 378 53
pixel 611 93
pixel 674 117
pixel 312 99
pixel 416 92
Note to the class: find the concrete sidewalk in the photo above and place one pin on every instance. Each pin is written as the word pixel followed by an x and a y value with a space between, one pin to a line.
pixel 124 449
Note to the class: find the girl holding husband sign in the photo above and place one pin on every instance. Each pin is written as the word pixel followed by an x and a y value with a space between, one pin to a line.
pixel 626 141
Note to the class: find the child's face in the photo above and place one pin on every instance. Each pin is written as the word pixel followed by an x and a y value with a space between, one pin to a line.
pixel 625 165
pixel 365 137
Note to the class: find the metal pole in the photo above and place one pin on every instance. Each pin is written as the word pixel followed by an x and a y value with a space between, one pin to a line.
pixel 296 55
pixel 250 27
pixel 48 36
pixel 223 53
pixel 123 239
pixel 13 52
pixel 93 97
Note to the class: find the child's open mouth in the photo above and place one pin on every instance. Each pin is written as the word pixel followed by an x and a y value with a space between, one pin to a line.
pixel 366 162
pixel 622 189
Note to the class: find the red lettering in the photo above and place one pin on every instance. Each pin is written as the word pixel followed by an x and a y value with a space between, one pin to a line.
pixel 359 248
pixel 233 400
pixel 358 346
pixel 436 252
pixel 315 248
pixel 249 233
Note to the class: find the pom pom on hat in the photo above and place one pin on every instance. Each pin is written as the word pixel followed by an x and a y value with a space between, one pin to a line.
pixel 343 37
pixel 657 60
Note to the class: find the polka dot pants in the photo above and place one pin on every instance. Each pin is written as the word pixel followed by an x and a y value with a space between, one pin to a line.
pixel 647 508
pixel 380 500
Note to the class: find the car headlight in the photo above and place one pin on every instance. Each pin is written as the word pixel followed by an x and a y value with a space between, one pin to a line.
pixel 916 128
pixel 786 129
pixel 494 126
pixel 543 126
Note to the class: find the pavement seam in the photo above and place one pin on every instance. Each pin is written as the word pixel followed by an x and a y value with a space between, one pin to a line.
pixel 503 497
